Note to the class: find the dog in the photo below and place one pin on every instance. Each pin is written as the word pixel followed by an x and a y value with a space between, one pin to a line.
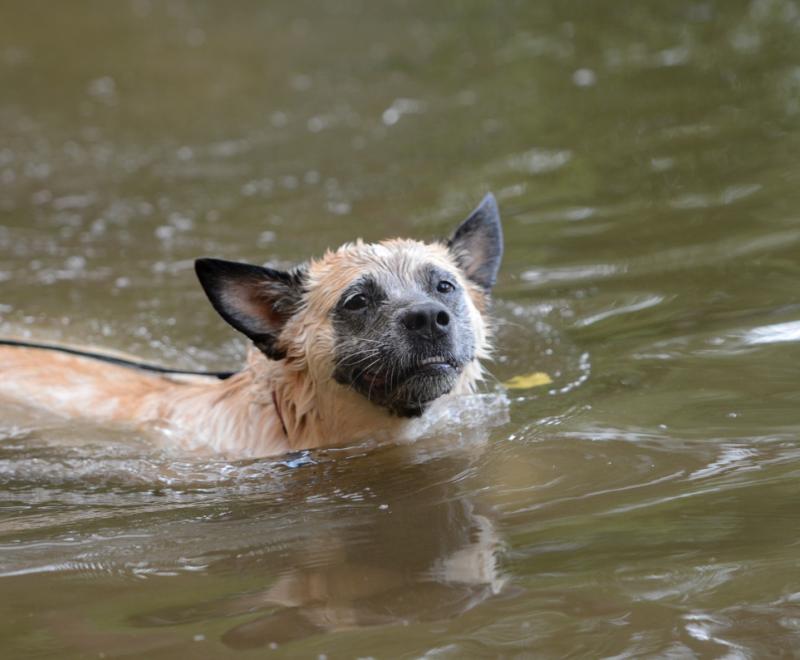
pixel 349 346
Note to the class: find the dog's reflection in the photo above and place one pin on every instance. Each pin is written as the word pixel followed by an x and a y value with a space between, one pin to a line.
pixel 412 545
pixel 419 550
pixel 448 567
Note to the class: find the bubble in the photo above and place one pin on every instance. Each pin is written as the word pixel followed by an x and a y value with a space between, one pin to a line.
pixel 584 77
pixel 300 82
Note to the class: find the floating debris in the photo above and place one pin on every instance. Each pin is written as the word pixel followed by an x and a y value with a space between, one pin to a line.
pixel 528 381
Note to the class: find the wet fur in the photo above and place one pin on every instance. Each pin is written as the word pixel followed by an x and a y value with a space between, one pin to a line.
pixel 272 405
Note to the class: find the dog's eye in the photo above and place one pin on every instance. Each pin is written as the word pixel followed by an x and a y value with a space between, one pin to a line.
pixel 356 302
pixel 445 287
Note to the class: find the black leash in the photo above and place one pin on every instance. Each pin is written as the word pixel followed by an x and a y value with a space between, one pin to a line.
pixel 122 362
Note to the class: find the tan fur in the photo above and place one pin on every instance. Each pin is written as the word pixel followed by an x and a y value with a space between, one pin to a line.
pixel 238 416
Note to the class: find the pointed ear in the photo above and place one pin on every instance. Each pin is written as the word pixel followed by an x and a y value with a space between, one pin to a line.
pixel 256 301
pixel 477 243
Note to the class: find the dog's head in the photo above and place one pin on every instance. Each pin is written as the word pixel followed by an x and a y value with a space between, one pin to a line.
pixel 398 321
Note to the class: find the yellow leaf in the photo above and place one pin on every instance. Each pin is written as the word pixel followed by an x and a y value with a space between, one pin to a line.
pixel 527 381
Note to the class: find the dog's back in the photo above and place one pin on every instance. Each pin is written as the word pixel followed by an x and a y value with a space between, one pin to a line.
pixel 71 385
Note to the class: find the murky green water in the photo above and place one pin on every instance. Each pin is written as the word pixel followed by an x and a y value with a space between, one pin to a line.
pixel 645 155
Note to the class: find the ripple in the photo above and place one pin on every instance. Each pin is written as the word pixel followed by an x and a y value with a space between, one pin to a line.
pixel 773 334
pixel 639 303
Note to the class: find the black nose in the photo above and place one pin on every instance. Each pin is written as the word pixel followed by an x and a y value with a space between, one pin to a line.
pixel 428 320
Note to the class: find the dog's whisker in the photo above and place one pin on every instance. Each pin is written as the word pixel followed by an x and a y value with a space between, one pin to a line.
pixel 372 381
pixel 362 357
pixel 355 364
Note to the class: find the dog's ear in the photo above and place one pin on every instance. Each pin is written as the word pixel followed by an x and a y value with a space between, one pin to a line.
pixel 477 243
pixel 256 301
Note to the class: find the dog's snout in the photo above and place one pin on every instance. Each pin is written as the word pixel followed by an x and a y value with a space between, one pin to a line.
pixel 429 320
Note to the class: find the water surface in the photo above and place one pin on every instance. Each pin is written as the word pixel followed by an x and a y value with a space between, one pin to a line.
pixel 644 154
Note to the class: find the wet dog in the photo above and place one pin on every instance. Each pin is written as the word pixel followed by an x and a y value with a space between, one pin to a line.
pixel 352 345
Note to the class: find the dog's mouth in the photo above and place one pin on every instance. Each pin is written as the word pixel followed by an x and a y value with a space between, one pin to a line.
pixel 430 367
pixel 407 390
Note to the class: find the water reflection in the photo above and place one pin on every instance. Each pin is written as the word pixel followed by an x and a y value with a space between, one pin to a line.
pixel 311 543
pixel 406 543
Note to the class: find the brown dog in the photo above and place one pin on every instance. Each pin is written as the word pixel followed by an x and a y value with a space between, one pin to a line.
pixel 348 346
